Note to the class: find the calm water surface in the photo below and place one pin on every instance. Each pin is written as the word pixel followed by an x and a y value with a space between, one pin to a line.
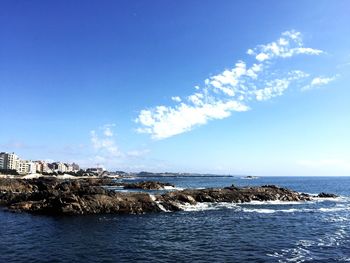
pixel 318 231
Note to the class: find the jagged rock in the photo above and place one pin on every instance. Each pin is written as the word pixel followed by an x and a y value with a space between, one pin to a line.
pixel 326 195
pixel 148 185
pixel 87 196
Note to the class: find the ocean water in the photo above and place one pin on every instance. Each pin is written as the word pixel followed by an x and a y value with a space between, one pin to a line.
pixel 317 231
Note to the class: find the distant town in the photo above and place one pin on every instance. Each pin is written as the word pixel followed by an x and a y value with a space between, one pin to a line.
pixel 11 163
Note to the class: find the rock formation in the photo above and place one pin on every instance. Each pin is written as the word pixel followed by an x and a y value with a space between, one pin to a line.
pixel 148 185
pixel 88 196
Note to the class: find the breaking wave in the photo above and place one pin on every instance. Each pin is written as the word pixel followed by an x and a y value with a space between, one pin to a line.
pixel 266 207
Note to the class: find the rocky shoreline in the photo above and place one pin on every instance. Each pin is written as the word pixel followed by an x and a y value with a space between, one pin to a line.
pixel 90 196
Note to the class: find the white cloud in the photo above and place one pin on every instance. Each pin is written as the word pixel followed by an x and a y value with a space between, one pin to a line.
pixel 108 132
pixel 104 144
pixel 321 81
pixel 274 88
pixel 250 51
pixel 106 152
pixel 168 121
pixel 103 141
pixel 277 87
pixel 196 99
pixel 229 79
pixel 307 50
pixel 176 99
pixel 262 56
pixel 229 91
pixel 288 45
pixel 317 82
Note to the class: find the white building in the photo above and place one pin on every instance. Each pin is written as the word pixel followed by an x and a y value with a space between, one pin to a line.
pixel 12 161
pixel 2 160
pixel 59 167
pixel 69 167
pixel 42 167
pixel 26 167
pixel 9 161
pixel 31 167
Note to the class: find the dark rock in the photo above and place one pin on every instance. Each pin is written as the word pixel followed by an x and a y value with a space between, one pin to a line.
pixel 326 195
pixel 147 185
pixel 87 196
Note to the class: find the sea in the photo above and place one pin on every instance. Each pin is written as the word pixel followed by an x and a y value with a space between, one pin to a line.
pixel 315 231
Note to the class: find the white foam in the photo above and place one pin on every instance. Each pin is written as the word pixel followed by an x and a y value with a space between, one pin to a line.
pixel 219 205
pixel 271 211
pixel 243 207
pixel 168 187
pixel 154 199
pixel 333 199
pixel 238 207
pixel 162 207
pixel 293 210
pixel 333 209
pixel 260 211
pixel 275 202
pixel 208 206
pixel 197 207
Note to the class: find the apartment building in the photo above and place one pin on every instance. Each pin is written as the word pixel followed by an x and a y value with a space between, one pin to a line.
pixel 26 167
pixel 42 167
pixel 2 160
pixel 9 161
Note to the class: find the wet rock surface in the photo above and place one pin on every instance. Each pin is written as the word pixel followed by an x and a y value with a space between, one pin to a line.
pixel 83 196
pixel 88 196
pixel 147 185
pixel 326 195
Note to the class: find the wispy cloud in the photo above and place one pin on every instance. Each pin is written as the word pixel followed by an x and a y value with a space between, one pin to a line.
pixel 106 152
pixel 289 44
pixel 176 99
pixel 317 82
pixel 104 143
pixel 232 90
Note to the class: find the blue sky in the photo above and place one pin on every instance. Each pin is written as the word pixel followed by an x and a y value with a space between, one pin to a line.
pixel 232 87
